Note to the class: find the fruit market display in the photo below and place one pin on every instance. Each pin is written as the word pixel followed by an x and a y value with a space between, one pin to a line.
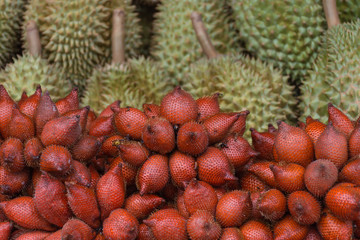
pixel 202 139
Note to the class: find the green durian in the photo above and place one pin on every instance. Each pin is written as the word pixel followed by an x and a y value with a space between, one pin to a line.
pixel 349 10
pixel 11 12
pixel 174 44
pixel 27 72
pixel 336 74
pixel 75 35
pixel 245 83
pixel 285 33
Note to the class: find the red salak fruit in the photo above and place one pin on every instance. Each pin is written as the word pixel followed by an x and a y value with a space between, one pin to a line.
pixel 30 104
pixel 350 172
pixel 262 170
pixel 330 227
pixel 238 151
pixel 121 225
pixel 178 107
pixel 289 177
pixel 232 234
pixel 129 172
pixel 102 126
pixel 22 211
pixel 64 131
pixel 45 111
pixel 77 229
pixel 158 135
pixel 240 125
pixel 314 128
pixel 250 182
pixel 234 208
pixel 293 145
pixel 110 109
pixel 6 106
pixel 200 195
pixel 68 103
pixel 86 148
pixel 51 201
pixel 253 230
pixel 153 175
pixel 151 110
pixel 263 143
pixel 11 155
pixel 167 224
pixel 56 160
pixel 145 233
pixel 182 169
pixel 218 126
pixel 332 145
pixel 354 141
pixel 32 151
pixel 192 138
pixel 313 234
pixel 20 125
pixel 320 176
pixel 108 148
pixel 133 152
pixel 83 114
pixel 203 226
pixel 141 206
pixel 304 208
pixel 288 228
pixel 79 174
pixel 33 235
pixel 110 191
pixel 208 106
pixel 272 204
pixel 83 203
pixel 130 122
pixel 214 167
pixel 180 204
pixel 12 183
pixel 340 121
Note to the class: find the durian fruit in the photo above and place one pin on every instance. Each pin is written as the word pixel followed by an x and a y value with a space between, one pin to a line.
pixel 174 44
pixel 30 70
pixel 133 83
pixel 148 2
pixel 246 83
pixel 10 26
pixel 349 10
pixel 336 73
pixel 76 34
pixel 285 33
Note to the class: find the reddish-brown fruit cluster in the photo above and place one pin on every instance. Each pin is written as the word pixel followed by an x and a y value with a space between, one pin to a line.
pixel 178 170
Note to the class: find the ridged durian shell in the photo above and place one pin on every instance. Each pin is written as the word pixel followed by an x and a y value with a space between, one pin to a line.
pixel 175 44
pixel 138 82
pixel 336 74
pixel 27 72
pixel 10 27
pixel 286 33
pixel 349 10
pixel 245 83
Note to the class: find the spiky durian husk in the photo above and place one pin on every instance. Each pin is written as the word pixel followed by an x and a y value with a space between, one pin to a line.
pixel 148 2
pixel 174 43
pixel 284 33
pixel 138 82
pixel 336 74
pixel 245 83
pixel 76 34
pixel 349 10
pixel 27 72
pixel 10 25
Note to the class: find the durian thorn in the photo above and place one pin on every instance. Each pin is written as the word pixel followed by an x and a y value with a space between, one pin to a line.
pixel 33 38
pixel 203 36
pixel 331 13
pixel 118 36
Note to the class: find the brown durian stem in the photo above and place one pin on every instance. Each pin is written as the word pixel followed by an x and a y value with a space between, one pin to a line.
pixel 118 36
pixel 33 38
pixel 203 36
pixel 331 13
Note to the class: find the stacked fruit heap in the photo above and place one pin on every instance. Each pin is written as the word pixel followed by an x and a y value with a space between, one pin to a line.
pixel 175 171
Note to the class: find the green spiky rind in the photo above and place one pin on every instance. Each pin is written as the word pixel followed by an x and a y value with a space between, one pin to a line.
pixel 336 74
pixel 175 44
pixel 140 81
pixel 286 33
pixel 10 26
pixel 27 72
pixel 148 2
pixel 133 29
pixel 349 10
pixel 245 83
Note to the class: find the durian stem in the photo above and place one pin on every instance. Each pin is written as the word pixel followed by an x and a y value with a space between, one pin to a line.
pixel 118 36
pixel 331 13
pixel 33 38
pixel 203 36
